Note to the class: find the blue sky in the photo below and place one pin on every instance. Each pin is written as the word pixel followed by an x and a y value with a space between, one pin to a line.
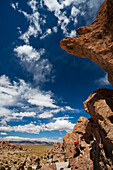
pixel 42 88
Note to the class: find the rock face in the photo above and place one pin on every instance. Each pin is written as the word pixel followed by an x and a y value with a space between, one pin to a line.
pixel 95 136
pixel 95 41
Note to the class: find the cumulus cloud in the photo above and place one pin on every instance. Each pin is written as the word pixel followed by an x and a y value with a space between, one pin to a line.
pixel 28 128
pixel 33 63
pixel 28 53
pixel 42 100
pixel 20 94
pixel 45 115
pixel 103 81
pixel 60 125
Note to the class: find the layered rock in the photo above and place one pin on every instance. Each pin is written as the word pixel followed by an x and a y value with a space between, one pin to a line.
pixel 95 136
pixel 95 41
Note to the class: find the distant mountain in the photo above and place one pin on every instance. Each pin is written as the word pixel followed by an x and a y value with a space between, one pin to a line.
pixel 29 142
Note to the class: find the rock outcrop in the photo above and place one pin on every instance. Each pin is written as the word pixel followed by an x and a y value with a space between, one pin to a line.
pixel 94 134
pixel 49 167
pixel 7 145
pixel 95 41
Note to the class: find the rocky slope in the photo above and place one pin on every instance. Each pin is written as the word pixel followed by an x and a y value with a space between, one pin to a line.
pixel 95 41
pixel 95 135
pixel 7 145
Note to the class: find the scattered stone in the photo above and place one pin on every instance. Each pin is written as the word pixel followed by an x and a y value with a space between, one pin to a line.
pixel 21 166
pixel 49 167
pixel 7 145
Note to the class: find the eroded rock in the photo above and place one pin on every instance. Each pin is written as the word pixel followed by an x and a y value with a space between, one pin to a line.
pixel 95 135
pixel 95 41
pixel 49 167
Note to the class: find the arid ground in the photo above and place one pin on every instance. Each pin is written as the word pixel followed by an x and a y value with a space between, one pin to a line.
pixel 13 158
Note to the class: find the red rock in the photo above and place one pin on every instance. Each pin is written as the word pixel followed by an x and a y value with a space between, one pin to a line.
pixel 49 167
pixel 96 134
pixel 95 41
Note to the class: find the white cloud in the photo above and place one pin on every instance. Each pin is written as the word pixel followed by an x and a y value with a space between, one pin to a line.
pixel 42 100
pixel 3 133
pixel 28 53
pixel 17 138
pixel 60 125
pixel 69 108
pixel 26 114
pixel 55 29
pixel 74 11
pixel 4 81
pixel 32 62
pixel 33 4
pixel 72 33
pixel 34 28
pixel 65 109
pixel 11 116
pixel 103 81
pixel 48 31
pixel 21 94
pixel 4 111
pixel 63 118
pixel 13 6
pixel 45 115
pixel 38 24
pixel 23 114
pixel 28 128
pixel 53 5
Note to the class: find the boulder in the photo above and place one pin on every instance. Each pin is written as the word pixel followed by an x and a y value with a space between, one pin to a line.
pixel 49 167
pixel 21 166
